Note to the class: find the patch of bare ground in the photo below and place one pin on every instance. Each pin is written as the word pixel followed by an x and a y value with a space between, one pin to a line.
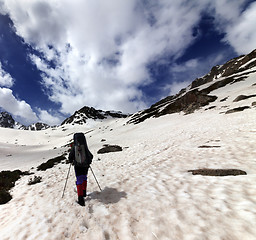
pixel 217 172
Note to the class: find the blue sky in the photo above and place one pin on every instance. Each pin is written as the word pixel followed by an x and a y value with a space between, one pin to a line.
pixel 58 56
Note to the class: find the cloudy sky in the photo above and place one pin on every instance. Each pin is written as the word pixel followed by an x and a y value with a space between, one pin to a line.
pixel 57 56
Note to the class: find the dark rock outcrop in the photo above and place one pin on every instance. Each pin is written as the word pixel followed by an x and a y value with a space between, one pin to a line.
pixel 6 120
pixel 217 172
pixel 110 148
pixel 234 66
pixel 50 163
pixel 238 109
pixel 207 146
pixel 37 126
pixel 7 181
pixel 243 97
pixel 188 103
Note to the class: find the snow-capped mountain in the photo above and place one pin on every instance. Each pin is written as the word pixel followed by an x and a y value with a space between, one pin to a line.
pixel 82 116
pixel 7 121
pixel 201 93
pixel 86 113
pixel 204 91
pixel 37 126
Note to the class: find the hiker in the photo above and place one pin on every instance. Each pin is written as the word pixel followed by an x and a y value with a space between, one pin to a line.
pixel 81 157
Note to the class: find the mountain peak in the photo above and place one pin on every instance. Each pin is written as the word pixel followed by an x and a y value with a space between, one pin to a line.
pixel 7 121
pixel 84 114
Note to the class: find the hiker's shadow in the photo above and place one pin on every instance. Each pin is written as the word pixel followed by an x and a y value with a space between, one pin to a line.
pixel 108 195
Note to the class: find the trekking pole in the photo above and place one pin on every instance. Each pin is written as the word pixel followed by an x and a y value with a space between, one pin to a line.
pixel 96 179
pixel 66 181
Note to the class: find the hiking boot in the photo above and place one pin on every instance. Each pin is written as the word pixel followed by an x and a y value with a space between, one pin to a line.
pixel 84 193
pixel 81 200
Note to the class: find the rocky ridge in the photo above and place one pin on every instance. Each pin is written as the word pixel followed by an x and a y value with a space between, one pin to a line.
pixel 198 93
pixel 7 121
pixel 81 116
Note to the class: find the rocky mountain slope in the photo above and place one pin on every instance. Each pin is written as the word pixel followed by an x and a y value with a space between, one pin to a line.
pixel 80 117
pixel 84 114
pixel 37 126
pixel 7 121
pixel 203 91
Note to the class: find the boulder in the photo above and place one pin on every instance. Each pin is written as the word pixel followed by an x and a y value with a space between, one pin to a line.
pixel 110 148
pixel 238 109
pixel 243 97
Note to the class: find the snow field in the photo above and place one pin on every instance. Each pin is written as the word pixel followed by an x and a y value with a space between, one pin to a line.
pixel 147 191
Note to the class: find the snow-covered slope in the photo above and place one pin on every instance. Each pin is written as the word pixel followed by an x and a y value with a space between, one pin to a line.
pixel 206 92
pixel 148 192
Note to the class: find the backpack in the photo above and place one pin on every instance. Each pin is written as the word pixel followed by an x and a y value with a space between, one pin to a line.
pixel 81 149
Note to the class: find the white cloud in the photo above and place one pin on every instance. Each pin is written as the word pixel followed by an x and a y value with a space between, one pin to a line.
pixel 16 107
pixel 237 25
pixel 226 11
pixel 111 45
pixel 183 74
pixel 241 34
pixel 23 111
pixel 190 64
pixel 3 9
pixel 175 87
pixel 5 78
pixel 102 48
pixel 46 117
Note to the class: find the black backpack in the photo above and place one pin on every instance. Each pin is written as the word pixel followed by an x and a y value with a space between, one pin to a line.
pixel 82 154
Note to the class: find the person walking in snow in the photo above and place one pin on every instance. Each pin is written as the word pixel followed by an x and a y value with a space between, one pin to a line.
pixel 81 157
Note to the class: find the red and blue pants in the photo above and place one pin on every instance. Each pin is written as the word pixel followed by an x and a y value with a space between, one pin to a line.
pixel 81 179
